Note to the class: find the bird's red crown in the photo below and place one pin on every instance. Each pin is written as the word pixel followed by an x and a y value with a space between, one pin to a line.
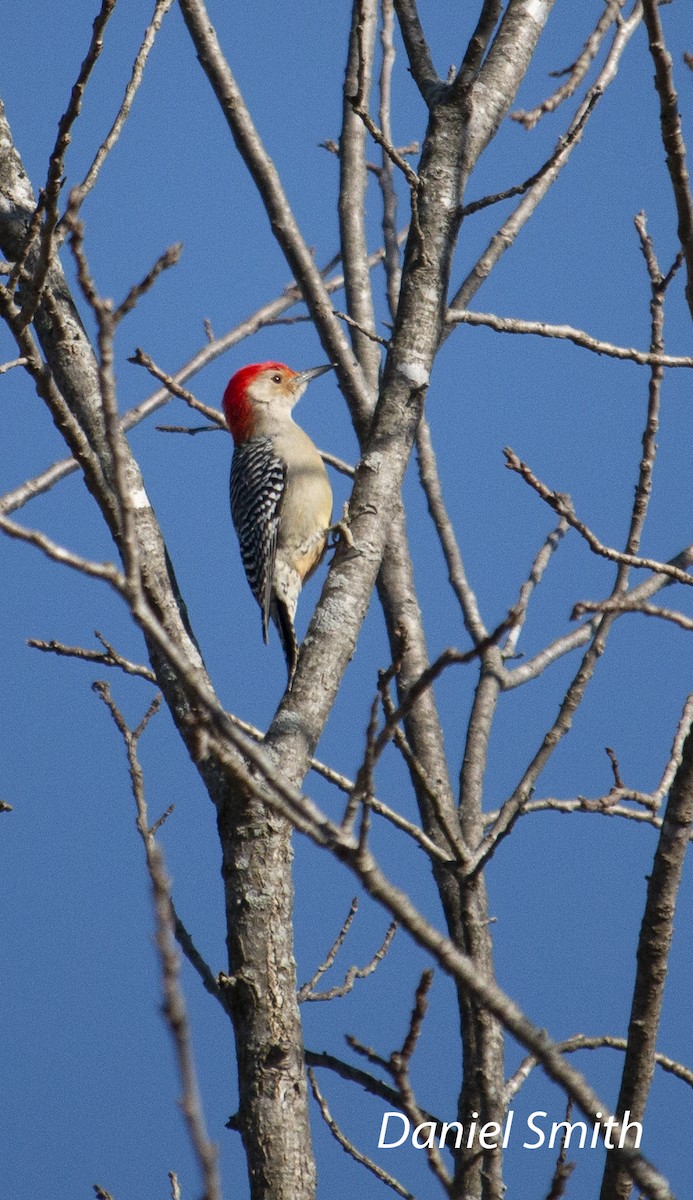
pixel 238 408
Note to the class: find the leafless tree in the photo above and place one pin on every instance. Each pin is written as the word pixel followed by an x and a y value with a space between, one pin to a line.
pixel 255 779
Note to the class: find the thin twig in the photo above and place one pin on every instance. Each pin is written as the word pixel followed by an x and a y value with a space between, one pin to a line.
pixel 627 606
pixel 506 235
pixel 431 484
pixel 54 181
pixel 354 972
pixel 197 962
pixel 106 658
pixel 564 507
pixel 373 337
pixel 350 1148
pixel 611 754
pixel 432 849
pixel 427 677
pixel 605 806
pixel 564 143
pixel 358 102
pixel 98 570
pixel 566 332
pixel 334 949
pixel 533 667
pixel 15 362
pixel 393 271
pixel 535 577
pixel 672 136
pixel 168 259
pixel 416 1020
pixel 455 850
pixel 581 1042
pixel 513 806
pixel 367 1052
pixel 332 460
pixel 643 488
pixel 399 1064
pixel 563 1169
pixel 369 1083
pixel 609 805
pixel 174 1003
pixel 576 71
pixel 140 359
pixel 81 191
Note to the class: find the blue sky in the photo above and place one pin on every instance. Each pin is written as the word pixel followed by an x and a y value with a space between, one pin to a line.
pixel 87 1080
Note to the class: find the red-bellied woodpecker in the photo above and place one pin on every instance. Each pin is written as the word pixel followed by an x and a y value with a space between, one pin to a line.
pixel 281 500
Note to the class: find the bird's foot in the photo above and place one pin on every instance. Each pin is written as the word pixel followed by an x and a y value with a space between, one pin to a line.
pixel 341 529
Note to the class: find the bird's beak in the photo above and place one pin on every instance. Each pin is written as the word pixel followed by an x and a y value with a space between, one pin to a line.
pixel 304 377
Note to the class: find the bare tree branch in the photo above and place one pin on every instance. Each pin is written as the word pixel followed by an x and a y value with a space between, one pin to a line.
pixel 653 952
pixel 563 1169
pixel 15 362
pixel 352 191
pixel 627 606
pixel 350 1148
pixel 108 657
pixel 554 159
pixel 418 53
pixel 478 43
pixel 565 332
pixel 51 193
pixel 369 1083
pixel 393 273
pixel 577 71
pixel 174 1003
pixel 509 230
pixel 562 504
pixel 430 481
pixel 534 666
pixel 399 1064
pixel 79 193
pixel 307 991
pixel 532 582
pixel 672 136
pixel 171 384
pixel 581 1042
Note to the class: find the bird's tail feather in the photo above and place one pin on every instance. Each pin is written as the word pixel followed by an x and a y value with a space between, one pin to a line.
pixel 285 626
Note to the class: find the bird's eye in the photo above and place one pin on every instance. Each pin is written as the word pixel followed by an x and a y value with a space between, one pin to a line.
pixel 276 378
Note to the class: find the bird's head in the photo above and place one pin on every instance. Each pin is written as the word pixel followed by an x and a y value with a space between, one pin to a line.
pixel 269 386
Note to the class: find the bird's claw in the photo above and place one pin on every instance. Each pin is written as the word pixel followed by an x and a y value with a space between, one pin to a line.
pixel 341 529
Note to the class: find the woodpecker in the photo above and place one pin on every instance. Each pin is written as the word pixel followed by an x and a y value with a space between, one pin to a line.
pixel 281 500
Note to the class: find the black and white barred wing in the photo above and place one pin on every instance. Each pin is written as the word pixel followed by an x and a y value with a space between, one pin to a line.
pixel 257 487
